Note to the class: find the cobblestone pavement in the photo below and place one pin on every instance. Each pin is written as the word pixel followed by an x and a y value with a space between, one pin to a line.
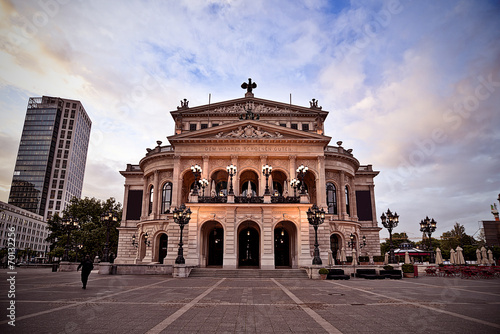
pixel 54 302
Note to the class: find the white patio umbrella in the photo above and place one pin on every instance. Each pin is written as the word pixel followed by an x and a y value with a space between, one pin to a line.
pixel 343 257
pixel 478 256
pixel 484 255
pixel 460 255
pixel 354 257
pixel 490 257
pixel 386 258
pixel 330 258
pixel 407 258
pixel 453 256
pixel 439 257
pixel 338 255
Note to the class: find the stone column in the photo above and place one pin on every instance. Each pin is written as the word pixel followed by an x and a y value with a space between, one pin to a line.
pixel 321 183
pixel 176 182
pixel 156 193
pixel 342 203
pixel 267 240
pixel 374 209
pixel 236 179
pixel 145 198
pixel 125 204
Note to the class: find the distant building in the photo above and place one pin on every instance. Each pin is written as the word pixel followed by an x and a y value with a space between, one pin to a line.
pixel 52 154
pixel 31 230
pixel 247 219
pixel 491 228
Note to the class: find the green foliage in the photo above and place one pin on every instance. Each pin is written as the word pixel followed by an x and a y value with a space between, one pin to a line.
pixel 456 237
pixel 379 258
pixel 407 268
pixel 323 271
pixel 90 238
pixel 388 267
pixel 364 259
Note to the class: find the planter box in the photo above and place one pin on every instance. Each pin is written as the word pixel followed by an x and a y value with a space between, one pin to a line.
pixel 408 275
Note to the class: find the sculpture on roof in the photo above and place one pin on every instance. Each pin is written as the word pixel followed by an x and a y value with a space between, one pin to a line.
pixel 249 86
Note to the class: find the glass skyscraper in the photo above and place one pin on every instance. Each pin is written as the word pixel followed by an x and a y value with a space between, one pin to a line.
pixel 52 154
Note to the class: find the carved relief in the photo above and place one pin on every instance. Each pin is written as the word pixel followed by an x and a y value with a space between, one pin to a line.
pixel 248 132
pixel 258 109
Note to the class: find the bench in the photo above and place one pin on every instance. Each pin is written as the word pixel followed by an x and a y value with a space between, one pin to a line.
pixel 368 274
pixel 392 274
pixel 337 274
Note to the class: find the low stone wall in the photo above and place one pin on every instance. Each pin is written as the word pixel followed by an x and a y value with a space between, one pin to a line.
pixel 141 269
pixel 68 266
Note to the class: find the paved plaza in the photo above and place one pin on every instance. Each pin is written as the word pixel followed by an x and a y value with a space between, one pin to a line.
pixel 54 302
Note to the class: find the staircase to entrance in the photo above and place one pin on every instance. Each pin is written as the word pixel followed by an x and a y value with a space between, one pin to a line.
pixel 248 273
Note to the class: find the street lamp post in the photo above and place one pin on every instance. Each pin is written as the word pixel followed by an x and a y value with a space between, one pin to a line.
pixel 294 184
pixel 266 170
pixel 390 221
pixel 231 169
pixel 109 218
pixel 301 171
pixel 196 172
pixel 181 217
pixel 69 224
pixel 204 184
pixel 316 217
pixel 428 226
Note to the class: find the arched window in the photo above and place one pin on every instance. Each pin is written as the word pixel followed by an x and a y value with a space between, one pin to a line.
pixel 253 189
pixel 221 188
pixel 166 197
pixel 347 205
pixel 331 198
pixel 150 208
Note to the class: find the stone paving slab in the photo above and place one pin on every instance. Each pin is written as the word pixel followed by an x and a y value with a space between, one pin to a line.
pixel 47 302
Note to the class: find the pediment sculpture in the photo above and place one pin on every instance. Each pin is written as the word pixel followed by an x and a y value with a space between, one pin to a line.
pixel 248 132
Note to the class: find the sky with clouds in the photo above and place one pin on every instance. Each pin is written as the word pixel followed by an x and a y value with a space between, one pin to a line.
pixel 413 87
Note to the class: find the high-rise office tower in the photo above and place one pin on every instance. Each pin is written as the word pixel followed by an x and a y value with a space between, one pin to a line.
pixel 52 154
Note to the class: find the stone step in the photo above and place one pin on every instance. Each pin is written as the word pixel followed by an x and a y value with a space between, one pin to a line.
pixel 248 273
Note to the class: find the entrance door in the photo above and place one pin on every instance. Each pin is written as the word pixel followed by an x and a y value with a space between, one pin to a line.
pixel 248 247
pixel 334 246
pixel 215 247
pixel 281 248
pixel 162 251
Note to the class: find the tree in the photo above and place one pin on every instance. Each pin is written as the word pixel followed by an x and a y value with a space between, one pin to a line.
pixel 456 237
pixel 90 237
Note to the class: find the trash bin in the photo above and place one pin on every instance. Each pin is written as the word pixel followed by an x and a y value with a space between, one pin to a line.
pixel 415 270
pixel 54 267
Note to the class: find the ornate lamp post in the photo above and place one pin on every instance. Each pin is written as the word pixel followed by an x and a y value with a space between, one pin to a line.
pixel 316 217
pixel 196 172
pixel 109 219
pixel 301 171
pixel 204 184
pixel 428 226
pixel 231 169
pixel 294 184
pixel 181 217
pixel 69 224
pixel 390 222
pixel 266 170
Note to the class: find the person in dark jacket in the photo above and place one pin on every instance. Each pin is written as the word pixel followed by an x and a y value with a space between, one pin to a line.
pixel 87 267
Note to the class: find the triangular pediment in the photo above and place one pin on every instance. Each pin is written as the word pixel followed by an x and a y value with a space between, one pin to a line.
pixel 258 106
pixel 248 130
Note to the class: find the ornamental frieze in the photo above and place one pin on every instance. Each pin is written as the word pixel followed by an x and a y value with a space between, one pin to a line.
pixel 248 132
pixel 256 109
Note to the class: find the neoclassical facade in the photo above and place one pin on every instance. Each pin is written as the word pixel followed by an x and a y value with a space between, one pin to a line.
pixel 234 222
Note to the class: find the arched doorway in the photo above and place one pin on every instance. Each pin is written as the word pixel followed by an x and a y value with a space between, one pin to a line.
pixel 215 246
pixel 249 181
pixel 335 246
pixel 281 247
pixel 248 245
pixel 162 248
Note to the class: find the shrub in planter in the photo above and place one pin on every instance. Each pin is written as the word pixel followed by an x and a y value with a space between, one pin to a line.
pixel 407 268
pixel 378 258
pixel 388 267
pixel 349 258
pixel 323 271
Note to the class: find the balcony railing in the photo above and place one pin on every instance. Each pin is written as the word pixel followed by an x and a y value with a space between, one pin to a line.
pixel 283 199
pixel 252 199
pixel 209 199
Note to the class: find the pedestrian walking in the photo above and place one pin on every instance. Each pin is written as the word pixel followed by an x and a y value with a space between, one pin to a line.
pixel 87 267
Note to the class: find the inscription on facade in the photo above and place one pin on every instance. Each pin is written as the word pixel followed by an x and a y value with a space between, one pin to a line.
pixel 247 149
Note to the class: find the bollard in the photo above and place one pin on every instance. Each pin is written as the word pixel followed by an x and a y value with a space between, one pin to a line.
pixel 415 270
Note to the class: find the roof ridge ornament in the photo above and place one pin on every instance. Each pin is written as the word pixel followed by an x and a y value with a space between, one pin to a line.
pixel 249 86
pixel 314 104
pixel 184 104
